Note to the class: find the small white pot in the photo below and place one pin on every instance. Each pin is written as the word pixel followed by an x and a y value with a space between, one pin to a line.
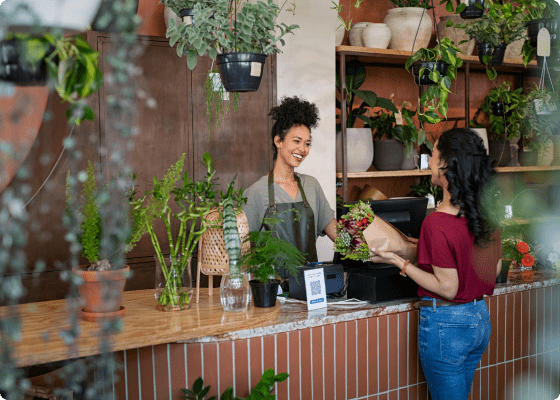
pixel 404 22
pixel 376 36
pixel 339 35
pixel 68 15
pixel 355 34
pixel 359 151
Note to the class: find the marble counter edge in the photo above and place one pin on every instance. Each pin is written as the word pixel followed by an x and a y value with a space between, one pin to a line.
pixel 371 310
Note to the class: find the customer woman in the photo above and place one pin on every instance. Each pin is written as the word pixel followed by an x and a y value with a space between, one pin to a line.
pixel 454 321
pixel 296 200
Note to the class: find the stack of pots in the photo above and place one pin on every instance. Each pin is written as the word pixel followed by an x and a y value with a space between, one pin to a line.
pixel 369 34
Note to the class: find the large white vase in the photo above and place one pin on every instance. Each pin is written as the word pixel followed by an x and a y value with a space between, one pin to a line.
pixel 455 34
pixel 69 15
pixel 404 22
pixel 376 36
pixel 359 149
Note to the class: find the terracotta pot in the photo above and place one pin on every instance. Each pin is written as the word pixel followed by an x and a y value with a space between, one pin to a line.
pixel 389 155
pixel 376 36
pixel 101 291
pixel 457 35
pixel 404 23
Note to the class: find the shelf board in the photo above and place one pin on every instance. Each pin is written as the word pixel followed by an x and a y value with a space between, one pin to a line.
pixel 426 172
pixel 390 56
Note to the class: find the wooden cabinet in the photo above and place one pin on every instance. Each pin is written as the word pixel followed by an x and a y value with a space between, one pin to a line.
pixel 397 59
pixel 176 125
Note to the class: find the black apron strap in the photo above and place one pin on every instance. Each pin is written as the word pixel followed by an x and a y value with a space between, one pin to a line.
pixel 271 203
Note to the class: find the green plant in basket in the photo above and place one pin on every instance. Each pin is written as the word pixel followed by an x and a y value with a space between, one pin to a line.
pixel 195 199
pixel 350 241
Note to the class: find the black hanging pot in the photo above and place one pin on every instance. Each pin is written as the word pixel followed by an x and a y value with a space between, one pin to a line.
pixel 15 66
pixel 472 11
pixel 187 15
pixel 497 54
pixel 241 72
pixel 264 294
pixel 533 28
pixel 425 80
pixel 498 109
pixel 105 20
pixel 499 151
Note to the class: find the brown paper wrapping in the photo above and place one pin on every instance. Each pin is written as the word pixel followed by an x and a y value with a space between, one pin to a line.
pixel 382 236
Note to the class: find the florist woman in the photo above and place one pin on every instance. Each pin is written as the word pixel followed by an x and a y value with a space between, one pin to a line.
pixel 454 320
pixel 296 200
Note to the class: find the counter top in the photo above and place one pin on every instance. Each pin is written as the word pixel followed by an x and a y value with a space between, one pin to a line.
pixel 143 325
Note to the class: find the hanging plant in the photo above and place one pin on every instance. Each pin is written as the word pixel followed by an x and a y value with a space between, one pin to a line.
pixel 217 99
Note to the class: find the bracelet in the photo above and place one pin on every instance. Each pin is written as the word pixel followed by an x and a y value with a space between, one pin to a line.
pixel 403 271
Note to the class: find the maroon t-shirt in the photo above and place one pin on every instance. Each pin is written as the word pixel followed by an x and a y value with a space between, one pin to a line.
pixel 445 242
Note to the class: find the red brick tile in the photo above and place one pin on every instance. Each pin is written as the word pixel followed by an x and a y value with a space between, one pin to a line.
pixel 510 378
pixel 161 371
pixel 269 353
pixel 241 378
pixel 362 357
pixel 373 397
pixel 484 384
pixel 194 363
pixel 517 325
pixel 340 360
pixel 493 383
pixel 532 321
pixel 547 325
pixel 475 387
pixel 225 365
pixel 510 316
pixel 539 331
pixel 383 354
pixel 132 373
pixel 413 356
pixel 305 360
pixel 394 395
pixel 403 394
pixel 255 366
pixel 403 349
pixel 423 391
pixel 177 363
pixel 328 365
pixel 413 392
pixel 119 386
pixel 210 354
pixel 393 352
pixel 351 359
pixel 373 358
pixel 317 362
pixel 526 373
pixel 501 328
pixel 493 344
pixel 525 323
pixel 282 364
pixel 146 372
pixel 383 396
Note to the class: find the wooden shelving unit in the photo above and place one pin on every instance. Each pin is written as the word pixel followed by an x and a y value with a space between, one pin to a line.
pixel 388 57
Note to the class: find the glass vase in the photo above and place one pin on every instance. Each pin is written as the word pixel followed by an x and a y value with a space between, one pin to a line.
pixel 173 283
pixel 235 292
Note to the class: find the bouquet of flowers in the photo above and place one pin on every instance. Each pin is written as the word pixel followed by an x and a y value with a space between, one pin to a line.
pixel 350 242
pixel 518 252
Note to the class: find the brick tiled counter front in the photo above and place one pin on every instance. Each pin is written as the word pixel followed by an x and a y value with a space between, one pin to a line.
pixel 369 352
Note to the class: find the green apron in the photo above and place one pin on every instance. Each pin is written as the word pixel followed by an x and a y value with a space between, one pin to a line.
pixel 300 233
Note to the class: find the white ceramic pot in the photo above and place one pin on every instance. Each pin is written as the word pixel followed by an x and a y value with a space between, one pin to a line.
pixel 68 15
pixel 339 35
pixel 483 134
pixel 359 150
pixel 355 34
pixel 376 36
pixel 457 35
pixel 404 22
pixel 168 14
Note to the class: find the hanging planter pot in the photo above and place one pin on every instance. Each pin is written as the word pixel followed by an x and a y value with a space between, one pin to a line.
pixel 499 151
pixel 187 15
pixel 409 26
pixel 19 66
pixel 73 15
pixel 241 72
pixel 472 11
pixel 533 28
pixel 105 20
pixel 497 54
pixel 498 109
pixel 425 80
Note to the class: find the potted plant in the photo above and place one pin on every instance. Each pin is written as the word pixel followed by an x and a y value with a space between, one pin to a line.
pixel 184 9
pixel 22 60
pixel 541 14
pixel 409 16
pixel 468 9
pixel 344 26
pixel 388 148
pixel 265 260
pixel 102 282
pixel 501 25
pixel 195 199
pixel 359 140
pixel 516 254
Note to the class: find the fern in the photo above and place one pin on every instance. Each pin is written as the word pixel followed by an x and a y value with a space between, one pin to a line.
pixel 91 226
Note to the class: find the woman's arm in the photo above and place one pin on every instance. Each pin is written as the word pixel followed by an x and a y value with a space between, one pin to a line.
pixel 444 281
pixel 330 230
pixel 499 267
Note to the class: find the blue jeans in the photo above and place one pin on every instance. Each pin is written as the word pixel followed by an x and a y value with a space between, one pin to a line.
pixel 452 341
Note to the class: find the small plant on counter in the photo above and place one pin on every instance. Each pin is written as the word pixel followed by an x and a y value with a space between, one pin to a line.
pixel 518 252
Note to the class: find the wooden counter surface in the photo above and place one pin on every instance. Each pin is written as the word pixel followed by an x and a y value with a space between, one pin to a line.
pixel 143 325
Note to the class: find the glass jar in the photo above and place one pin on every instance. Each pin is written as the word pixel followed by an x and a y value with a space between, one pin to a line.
pixel 173 283
pixel 235 292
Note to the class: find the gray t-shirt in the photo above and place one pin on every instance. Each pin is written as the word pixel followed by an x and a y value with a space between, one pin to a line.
pixel 257 202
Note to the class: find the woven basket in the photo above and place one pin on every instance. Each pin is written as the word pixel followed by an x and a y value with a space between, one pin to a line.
pixel 212 253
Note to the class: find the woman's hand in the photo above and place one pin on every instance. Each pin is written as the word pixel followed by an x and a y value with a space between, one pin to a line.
pixel 385 257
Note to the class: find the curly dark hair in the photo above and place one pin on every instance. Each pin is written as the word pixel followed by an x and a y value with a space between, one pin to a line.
pixel 470 176
pixel 292 112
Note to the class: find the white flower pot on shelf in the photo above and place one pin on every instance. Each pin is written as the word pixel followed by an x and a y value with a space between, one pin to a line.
pixel 355 34
pixel 404 23
pixel 339 35
pixel 68 15
pixel 376 36
pixel 359 149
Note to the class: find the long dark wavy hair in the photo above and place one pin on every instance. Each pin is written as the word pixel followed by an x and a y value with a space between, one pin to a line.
pixel 470 172
pixel 292 112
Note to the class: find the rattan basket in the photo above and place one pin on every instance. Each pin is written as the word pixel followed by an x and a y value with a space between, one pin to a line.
pixel 212 255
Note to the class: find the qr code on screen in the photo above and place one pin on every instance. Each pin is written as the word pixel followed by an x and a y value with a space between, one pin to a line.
pixel 315 288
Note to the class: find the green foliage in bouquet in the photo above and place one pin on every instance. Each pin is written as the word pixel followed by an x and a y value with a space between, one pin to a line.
pixel 350 241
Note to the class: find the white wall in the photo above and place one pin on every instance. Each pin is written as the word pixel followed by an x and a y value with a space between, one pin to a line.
pixel 306 68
